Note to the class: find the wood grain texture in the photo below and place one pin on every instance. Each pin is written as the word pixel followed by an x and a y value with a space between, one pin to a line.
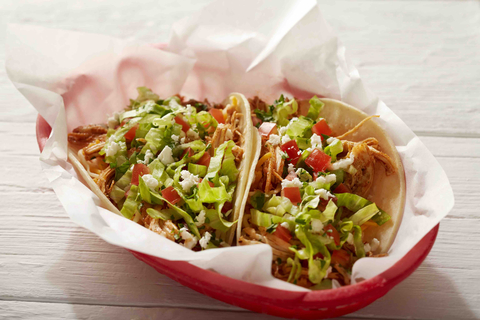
pixel 422 58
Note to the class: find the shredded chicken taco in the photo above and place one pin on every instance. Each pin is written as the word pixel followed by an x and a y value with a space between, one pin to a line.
pixel 326 188
pixel 171 165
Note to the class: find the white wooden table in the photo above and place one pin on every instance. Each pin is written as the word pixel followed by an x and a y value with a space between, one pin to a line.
pixel 421 57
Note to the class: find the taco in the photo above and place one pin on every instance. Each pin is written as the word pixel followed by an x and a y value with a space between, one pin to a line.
pixel 326 188
pixel 171 165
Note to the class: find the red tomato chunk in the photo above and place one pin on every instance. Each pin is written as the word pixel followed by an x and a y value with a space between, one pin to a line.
pixel 318 160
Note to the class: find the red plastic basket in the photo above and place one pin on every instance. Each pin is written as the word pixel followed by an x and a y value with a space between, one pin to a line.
pixel 288 304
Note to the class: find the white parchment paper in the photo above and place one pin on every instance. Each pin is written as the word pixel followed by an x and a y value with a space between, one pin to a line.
pixel 75 79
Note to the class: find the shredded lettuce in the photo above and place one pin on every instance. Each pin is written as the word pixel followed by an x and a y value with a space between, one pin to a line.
pixel 283 110
pixel 354 203
pixel 208 194
pixel 117 194
pixel 197 169
pixel 296 269
pixel 300 128
pixel 165 214
pixel 278 205
pixel 358 243
pixel 263 219
pixel 316 107
pixel 333 149
pixel 317 268
pixel 228 165
pixel 216 220
pixel 364 214
pixel 130 207
pixel 144 190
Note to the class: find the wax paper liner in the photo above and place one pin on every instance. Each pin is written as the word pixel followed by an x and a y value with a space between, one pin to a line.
pixel 260 48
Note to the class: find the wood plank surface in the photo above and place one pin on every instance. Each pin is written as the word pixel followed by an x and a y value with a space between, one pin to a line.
pixel 421 57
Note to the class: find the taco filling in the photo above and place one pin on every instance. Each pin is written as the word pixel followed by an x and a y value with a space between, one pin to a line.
pixel 169 165
pixel 308 197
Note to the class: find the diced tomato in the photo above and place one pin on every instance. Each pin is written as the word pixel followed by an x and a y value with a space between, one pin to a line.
pixel 130 135
pixel 210 183
pixel 341 189
pixel 188 151
pixel 332 232
pixel 217 114
pixel 204 160
pixel 318 160
pixel 283 233
pixel 227 206
pixel 321 127
pixel 267 128
pixel 139 170
pixel 292 150
pixel 171 195
pixel 183 123
pixel 292 193
pixel 341 257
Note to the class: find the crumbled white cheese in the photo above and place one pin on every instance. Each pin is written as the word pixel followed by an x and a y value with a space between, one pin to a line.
pixel 294 183
pixel 175 138
pixel 166 156
pixel 205 240
pixel 291 168
pixel 192 135
pixel 190 240
pixel 113 121
pixel 148 156
pixel 285 139
pixel 150 181
pixel 367 247
pixel 316 141
pixel 317 226
pixel 274 139
pixel 190 110
pixel 324 194
pixel 112 149
pixel 282 130
pixel 182 140
pixel 342 163
pixel 200 218
pixel 221 126
pixel 350 239
pixel 286 225
pixel 189 180
pixel 330 178
pixel 374 244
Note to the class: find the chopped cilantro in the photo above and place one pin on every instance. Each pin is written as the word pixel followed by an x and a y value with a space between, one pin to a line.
pixel 272 228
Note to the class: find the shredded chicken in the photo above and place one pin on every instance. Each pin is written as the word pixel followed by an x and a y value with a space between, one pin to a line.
pixel 365 155
pixel 86 134
pixel 105 180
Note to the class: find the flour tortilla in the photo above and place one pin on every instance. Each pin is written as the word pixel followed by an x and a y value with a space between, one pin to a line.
pixel 388 192
pixel 239 201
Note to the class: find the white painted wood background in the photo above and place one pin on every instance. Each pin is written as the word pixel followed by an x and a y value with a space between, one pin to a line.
pixel 421 57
